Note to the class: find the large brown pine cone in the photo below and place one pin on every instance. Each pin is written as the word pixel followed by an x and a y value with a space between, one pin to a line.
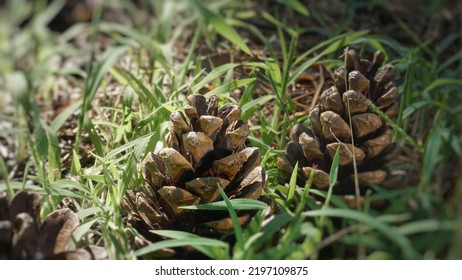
pixel 366 136
pixel 205 150
pixel 23 237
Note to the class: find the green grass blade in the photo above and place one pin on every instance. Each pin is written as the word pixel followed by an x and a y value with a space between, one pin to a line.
pixel 399 239
pixel 333 176
pixel 222 27
pixel 63 116
pixel 147 98
pixel 249 108
pixel 68 187
pixel 175 243
pixel 395 126
pixel 4 173
pixel 260 36
pixel 430 159
pixel 296 5
pixel 54 156
pixel 55 191
pixel 83 229
pixel 94 136
pixel 276 223
pixel 85 212
pixel 20 186
pixel 175 234
pixel 45 17
pixel 234 218
pixel 181 239
pixel 278 24
pixel 415 37
pixel 331 45
pixel 215 73
pixel 443 82
pixel 95 76
pixel 423 226
pixel 292 185
pixel 142 141
pixel 154 48
pixel 413 107
pixel 229 86
pixel 41 140
pixel 236 204
pixel 109 57
pixel 76 162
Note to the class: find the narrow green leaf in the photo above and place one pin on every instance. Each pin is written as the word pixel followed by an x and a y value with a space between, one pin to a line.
pixel 153 46
pixel 82 229
pixel 237 204
pixel 229 86
pixel 400 240
pixel 85 212
pixel 4 173
pixel 222 27
pixel 335 200
pixel 148 99
pixel 234 218
pixel 331 45
pixel 71 186
pixel 292 185
pixel 94 136
pixel 109 57
pixel 176 234
pixel 274 225
pixel 443 82
pixel 333 176
pixel 215 73
pixel 95 76
pixel 194 242
pixel 16 83
pixel 297 6
pixel 416 38
pixel 246 96
pixel 413 107
pixel 278 23
pixel 63 192
pixel 423 226
pixel 143 141
pixel 64 115
pixel 451 60
pixel 214 251
pixel 447 42
pixel 274 72
pixel 371 242
pixel 14 185
pixel 430 159
pixel 42 19
pixel 260 35
pixel 249 108
pixel 41 141
pixel 54 156
pixel 395 126
pixel 75 162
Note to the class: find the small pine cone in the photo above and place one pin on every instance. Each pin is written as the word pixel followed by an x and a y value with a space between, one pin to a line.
pixel 365 137
pixel 23 237
pixel 205 150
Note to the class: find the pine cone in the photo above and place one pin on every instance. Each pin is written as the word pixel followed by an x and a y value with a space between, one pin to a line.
pixel 205 149
pixel 357 84
pixel 22 236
